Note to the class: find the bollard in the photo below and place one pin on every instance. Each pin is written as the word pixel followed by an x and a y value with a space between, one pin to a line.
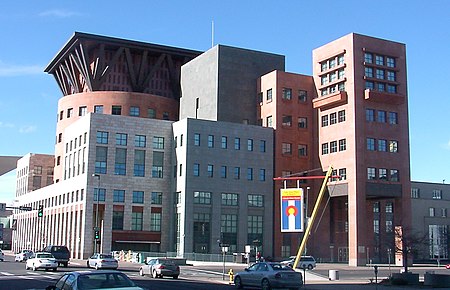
pixel 231 276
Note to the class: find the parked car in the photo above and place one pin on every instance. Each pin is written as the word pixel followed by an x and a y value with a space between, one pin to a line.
pixel 160 267
pixel 268 275
pixel 102 261
pixel 23 255
pixel 61 254
pixel 2 256
pixel 306 262
pixel 102 279
pixel 41 260
pixel 447 266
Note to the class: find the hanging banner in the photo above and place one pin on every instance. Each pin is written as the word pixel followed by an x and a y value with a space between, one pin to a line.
pixel 292 210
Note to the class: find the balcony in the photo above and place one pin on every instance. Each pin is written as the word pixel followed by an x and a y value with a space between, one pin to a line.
pixel 384 97
pixel 330 100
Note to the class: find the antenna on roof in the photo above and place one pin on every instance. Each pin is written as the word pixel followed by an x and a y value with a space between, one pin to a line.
pixel 212 33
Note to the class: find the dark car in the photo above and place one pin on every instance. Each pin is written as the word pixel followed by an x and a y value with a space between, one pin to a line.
pixel 61 254
pixel 269 275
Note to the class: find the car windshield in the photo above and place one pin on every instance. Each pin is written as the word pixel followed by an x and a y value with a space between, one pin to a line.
pixel 106 256
pixel 104 280
pixel 44 256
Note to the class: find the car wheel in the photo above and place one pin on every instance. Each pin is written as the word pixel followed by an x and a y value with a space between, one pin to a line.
pixel 238 282
pixel 87 264
pixel 154 274
pixel 66 264
pixel 265 284
pixel 310 267
pixel 54 269
pixel 175 277
pixel 141 272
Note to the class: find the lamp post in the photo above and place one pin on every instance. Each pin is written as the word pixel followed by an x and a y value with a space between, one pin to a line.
pixel 96 228
pixel 306 211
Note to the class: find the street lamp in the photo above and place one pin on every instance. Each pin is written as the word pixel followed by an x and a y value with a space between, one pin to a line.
pixel 96 229
pixel 306 211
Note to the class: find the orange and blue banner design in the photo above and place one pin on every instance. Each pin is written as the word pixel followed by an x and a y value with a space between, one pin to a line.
pixel 292 210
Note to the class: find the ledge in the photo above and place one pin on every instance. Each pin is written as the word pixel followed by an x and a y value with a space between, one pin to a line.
pixel 384 97
pixel 330 100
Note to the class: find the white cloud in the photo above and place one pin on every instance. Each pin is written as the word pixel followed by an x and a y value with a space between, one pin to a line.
pixel 27 129
pixel 6 125
pixel 7 70
pixel 59 13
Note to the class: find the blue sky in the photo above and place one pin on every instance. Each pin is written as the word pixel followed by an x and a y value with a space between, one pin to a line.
pixel 32 32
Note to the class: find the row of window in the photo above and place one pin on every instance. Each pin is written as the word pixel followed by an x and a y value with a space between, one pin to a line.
pixel 134 111
pixel 389 207
pixel 435 194
pixel 211 143
pixel 333 118
pixel 228 199
pixel 334 80
pixel 432 212
pixel 302 149
pixel 302 122
pixel 381 87
pixel 224 172
pixel 376 226
pixel 286 94
pixel 65 198
pixel 382 174
pixel 382 145
pixel 381 116
pixel 137 219
pixel 118 195
pixel 380 74
pixel 122 140
pixel 383 76
pixel 332 147
pixel 380 60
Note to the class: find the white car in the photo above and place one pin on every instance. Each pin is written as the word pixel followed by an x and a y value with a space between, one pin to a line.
pixel 23 255
pixel 2 256
pixel 41 260
pixel 306 262
pixel 102 261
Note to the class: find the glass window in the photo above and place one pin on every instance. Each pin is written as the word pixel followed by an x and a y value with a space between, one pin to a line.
pixel 287 94
pixel 262 174
pixel 323 66
pixel 140 140
pixel 393 146
pixel 382 173
pixel 432 211
pixel 324 148
pixel 380 74
pixel 332 63
pixel 136 221
pixel 394 175
pixel 255 200
pixel 381 87
pixel 376 207
pixel 121 139
pixel 302 150
pixel 369 85
pixel 389 207
pixel 249 144
pixel 371 173
pixel 210 141
pixel 391 76
pixel 341 86
pixel 333 146
pixel 379 60
pixel 269 122
pixel 370 115
pixel 230 199
pixel 120 165
pixel 224 142
pixel 342 174
pixel 341 59
pixel 102 137
pixel 415 193
pixel 324 80
pixel 157 166
pixel 324 120
pixel 382 145
pixel 165 116
pixel 302 122
pixel 155 222
pixel 210 170
pixel 287 121
pixel 237 173
pixel 376 226
pixel 101 154
pixel 118 195
pixel 341 73
pixel 201 197
pixel 117 220
pixel 381 116
pixel 262 146
pixel 196 139
pixel 342 145
pixel 392 89
pixel 286 148
pixel 341 116
pixel 98 109
pixel 139 163
pixel 390 61
pixel 269 95
pixel 368 72
pixel 368 57
pixel 151 113
pixel 196 169
pixel 116 110
pixel 437 194
pixel 156 197
pixel 249 173
pixel 134 111
pixel 223 171
pixel 333 119
pixel 370 144
pixel 302 96
pixel 99 194
pixel 237 143
pixel 82 111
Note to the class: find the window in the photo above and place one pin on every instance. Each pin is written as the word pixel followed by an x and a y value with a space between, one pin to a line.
pixel 371 175
pixel 262 146
pixel 287 121
pixel 98 109
pixel 389 226
pixel 155 222
pixel 302 96
pixel 431 210
pixel 138 197
pixel 341 59
pixel 415 193
pixel 255 200
pixel 117 220
pixel 223 172
pixel 302 122
pixel 69 112
pixel 287 94
pixel 342 145
pixel 151 113
pixel 332 63
pixel 368 72
pixel 99 194
pixel 341 116
pixel 390 61
pixel 370 144
pixel 394 175
pixel 369 85
pixel 343 174
pixel 269 121
pixel 380 74
pixel 376 207
pixel 269 95
pixel 323 66
pixel 237 143
pixel 102 137
pixel 391 76
pixel 393 146
pixel 139 140
pixel 324 148
pixel 376 226
pixel 381 116
pixel 156 197
pixel 116 110
pixel 370 115
pixel 196 169
pixel 382 173
pixel 181 170
pixel 382 145
pixel 158 142
pixel 389 207
pixel 249 144
pixel 237 173
pixel 437 194
pixel 181 140
pixel 333 118
pixel 120 165
pixel 341 74
pixel 136 221
pixel 341 86
pixel 121 139
pixel 230 199
pixel 201 197
pixel 82 111
pixel 249 173
pixel 324 80
pixel 302 150
pixel 134 111
pixel 165 116
pixel 157 166
pixel 286 148
pixel 197 139
pixel 379 60
pixel 368 57
pixel 224 142
pixel 324 120
pixel 101 154
pixel 210 170
pixel 260 97
pixel 381 87
pixel 392 89
pixel 333 146
pixel 210 141
pixel 262 174
pixel 139 163
pixel 393 118
pixel 443 212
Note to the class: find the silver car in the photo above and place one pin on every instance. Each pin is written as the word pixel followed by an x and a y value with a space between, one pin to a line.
pixel 102 279
pixel 159 268
pixel 23 255
pixel 306 262
pixel 41 260
pixel 268 275
pixel 102 261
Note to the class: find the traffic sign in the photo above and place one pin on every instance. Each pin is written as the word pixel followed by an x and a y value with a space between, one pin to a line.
pixel 25 208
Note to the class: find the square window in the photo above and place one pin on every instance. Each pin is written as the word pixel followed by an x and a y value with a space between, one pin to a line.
pixel 302 96
pixel 287 121
pixel 224 142
pixel 116 110
pixel 269 95
pixel 341 116
pixel 196 139
pixel 302 122
pixel 287 94
pixel 368 57
pixel 237 143
pixel 324 120
pixel 134 111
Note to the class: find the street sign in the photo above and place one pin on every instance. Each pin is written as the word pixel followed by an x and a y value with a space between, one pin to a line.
pixel 292 210
pixel 25 208
pixel 2 206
